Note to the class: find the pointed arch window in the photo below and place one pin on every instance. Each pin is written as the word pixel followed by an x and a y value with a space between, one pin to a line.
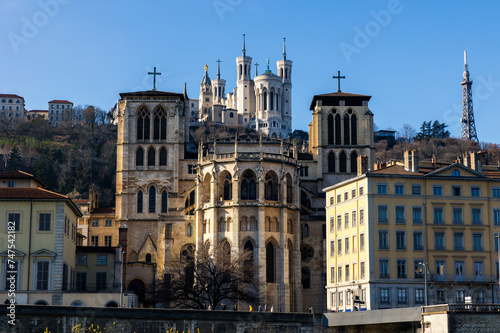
pixel 140 201
pixel 139 157
pixel 337 130
pixel 151 156
pixel 143 124
pixel 331 162
pixel 354 162
pixel 248 186
pixel 347 136
pixel 270 263
pixel 354 129
pixel 160 124
pixel 163 157
pixel 343 162
pixel 164 202
pixel 152 199
pixel 248 263
pixel 330 129
pixel 269 188
pixel 227 187
pixel 289 189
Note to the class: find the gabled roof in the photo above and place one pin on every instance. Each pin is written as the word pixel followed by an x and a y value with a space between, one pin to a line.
pixel 395 170
pixel 146 240
pixel 61 101
pixel 18 174
pixel 334 98
pixel 35 193
pixel 439 172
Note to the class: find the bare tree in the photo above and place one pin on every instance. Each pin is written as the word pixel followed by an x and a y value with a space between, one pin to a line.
pixel 209 277
pixel 406 134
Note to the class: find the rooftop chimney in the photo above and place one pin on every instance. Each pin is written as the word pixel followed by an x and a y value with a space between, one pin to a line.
pixel 475 162
pixel 362 164
pixel 411 160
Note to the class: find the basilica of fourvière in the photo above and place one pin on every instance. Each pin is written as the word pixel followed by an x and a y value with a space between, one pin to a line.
pixel 260 192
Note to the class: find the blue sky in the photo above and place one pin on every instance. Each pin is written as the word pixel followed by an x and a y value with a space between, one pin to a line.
pixel 406 54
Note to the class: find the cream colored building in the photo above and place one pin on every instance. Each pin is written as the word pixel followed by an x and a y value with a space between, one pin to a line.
pixel 385 227
pixel 44 227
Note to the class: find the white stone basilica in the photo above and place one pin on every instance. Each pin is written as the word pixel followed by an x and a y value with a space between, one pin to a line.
pixel 263 103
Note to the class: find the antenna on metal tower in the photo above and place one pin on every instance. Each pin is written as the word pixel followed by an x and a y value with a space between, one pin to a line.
pixel 468 130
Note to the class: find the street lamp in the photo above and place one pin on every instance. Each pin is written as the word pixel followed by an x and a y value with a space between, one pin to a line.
pixel 425 278
pixel 121 280
pixel 498 248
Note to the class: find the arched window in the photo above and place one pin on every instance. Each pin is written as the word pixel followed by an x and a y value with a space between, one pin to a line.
pixel 139 157
pixel 163 157
pixel 241 70
pixel 286 73
pixel 354 162
pixel 347 126
pixel 151 156
pixel 330 129
pixel 269 189
pixel 248 186
pixel 289 189
pixel 306 277
pixel 354 129
pixel 152 199
pixel 148 257
pixel 231 115
pixel 140 201
pixel 265 100
pixel 343 162
pixel 189 230
pixel 206 188
pixel 187 257
pixel 331 162
pixel 337 130
pixel 248 263
pixel 271 100
pixel 271 186
pixel 227 187
pixel 143 124
pixel 164 202
pixel 270 263
pixel 455 173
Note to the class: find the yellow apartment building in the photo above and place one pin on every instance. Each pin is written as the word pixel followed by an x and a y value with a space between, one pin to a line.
pixel 386 227
pixel 37 244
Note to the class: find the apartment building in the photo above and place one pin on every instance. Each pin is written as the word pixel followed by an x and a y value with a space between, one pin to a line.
pixel 386 227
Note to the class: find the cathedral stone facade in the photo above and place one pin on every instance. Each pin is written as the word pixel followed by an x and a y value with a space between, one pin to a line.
pixel 261 193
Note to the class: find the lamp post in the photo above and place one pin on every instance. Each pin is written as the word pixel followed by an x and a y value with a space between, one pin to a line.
pixel 121 280
pixel 497 236
pixel 425 280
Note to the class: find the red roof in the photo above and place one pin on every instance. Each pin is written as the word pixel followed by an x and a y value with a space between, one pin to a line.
pixel 34 193
pixel 10 96
pixel 81 201
pixel 29 193
pixel 61 101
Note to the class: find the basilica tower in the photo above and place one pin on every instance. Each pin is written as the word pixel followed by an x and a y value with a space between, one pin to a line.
pixel 245 97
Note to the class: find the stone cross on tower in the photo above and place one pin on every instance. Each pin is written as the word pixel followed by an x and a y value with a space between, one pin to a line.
pixel 154 73
pixel 338 77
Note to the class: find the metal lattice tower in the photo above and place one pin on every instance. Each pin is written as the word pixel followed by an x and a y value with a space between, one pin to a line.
pixel 468 125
